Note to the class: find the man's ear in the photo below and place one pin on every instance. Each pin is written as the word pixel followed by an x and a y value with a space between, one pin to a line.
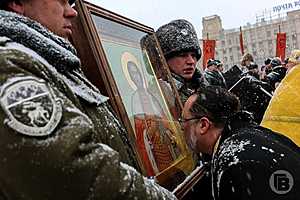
pixel 16 6
pixel 203 125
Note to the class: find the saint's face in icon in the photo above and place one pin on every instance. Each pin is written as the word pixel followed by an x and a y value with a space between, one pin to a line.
pixel 135 74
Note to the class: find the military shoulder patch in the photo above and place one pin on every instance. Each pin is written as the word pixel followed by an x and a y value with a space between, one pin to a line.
pixel 30 106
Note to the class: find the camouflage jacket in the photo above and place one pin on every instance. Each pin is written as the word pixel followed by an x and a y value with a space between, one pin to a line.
pixel 187 88
pixel 55 125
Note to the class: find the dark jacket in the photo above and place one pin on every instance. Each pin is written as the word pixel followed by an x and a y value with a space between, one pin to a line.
pixel 215 78
pixel 56 128
pixel 246 158
pixel 275 76
pixel 253 94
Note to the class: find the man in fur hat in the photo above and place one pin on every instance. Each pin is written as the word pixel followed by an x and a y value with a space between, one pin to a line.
pixel 180 45
pixel 181 49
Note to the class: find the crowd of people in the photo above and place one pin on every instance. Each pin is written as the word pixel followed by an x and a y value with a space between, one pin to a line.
pixel 60 138
pixel 222 123
pixel 254 85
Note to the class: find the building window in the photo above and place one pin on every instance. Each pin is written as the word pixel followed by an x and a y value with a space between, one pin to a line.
pixel 252 37
pixel 271 52
pixel 230 50
pixel 224 51
pixel 269 42
pixel 260 35
pixel 225 59
pixel 223 43
pixel 231 58
pixel 268 33
pixel 229 41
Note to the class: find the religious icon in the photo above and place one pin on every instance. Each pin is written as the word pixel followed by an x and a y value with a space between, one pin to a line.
pixel 141 97
pixel 156 142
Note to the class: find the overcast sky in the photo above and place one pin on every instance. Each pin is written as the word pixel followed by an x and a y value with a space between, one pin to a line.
pixel 154 13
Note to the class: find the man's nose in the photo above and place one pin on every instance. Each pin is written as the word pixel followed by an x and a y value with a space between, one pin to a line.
pixel 70 12
pixel 191 59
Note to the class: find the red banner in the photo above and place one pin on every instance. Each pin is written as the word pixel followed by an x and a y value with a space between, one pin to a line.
pixel 208 51
pixel 241 44
pixel 241 41
pixel 281 45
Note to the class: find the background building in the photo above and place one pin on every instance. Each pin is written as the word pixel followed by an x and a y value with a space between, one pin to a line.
pixel 259 38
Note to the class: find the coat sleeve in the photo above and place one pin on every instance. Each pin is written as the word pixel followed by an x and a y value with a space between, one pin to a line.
pixel 47 148
pixel 131 184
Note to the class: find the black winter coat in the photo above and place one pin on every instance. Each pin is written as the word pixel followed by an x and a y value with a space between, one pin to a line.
pixel 246 163
pixel 215 78
pixel 253 94
pixel 275 76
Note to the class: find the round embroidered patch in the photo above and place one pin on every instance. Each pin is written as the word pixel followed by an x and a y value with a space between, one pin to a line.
pixel 31 106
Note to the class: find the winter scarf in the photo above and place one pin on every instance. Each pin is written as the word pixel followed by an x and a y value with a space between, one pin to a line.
pixel 57 51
